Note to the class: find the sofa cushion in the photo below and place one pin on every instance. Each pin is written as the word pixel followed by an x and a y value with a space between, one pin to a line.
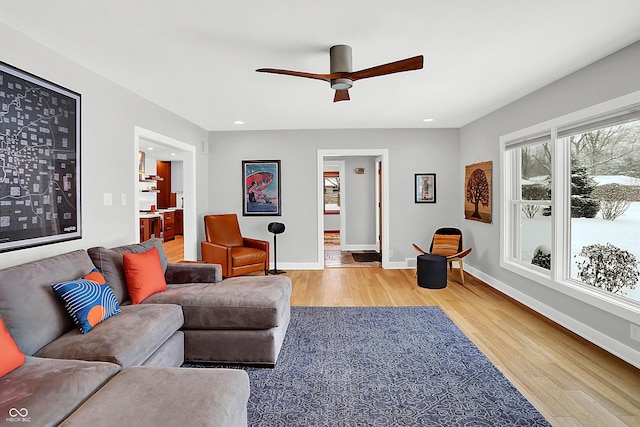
pixel 235 303
pixel 127 339
pixel 111 264
pixel 48 390
pixel 30 310
pixel 144 274
pixel 145 396
pixel 88 300
pixel 445 244
pixel 241 256
pixel 190 272
pixel 10 357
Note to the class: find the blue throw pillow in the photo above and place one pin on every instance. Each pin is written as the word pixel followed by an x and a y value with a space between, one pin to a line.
pixel 88 300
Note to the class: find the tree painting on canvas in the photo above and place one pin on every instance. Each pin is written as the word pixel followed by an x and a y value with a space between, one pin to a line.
pixel 477 191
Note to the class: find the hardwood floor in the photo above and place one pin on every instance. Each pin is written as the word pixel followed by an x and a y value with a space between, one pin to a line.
pixel 569 380
pixel 334 257
pixel 174 248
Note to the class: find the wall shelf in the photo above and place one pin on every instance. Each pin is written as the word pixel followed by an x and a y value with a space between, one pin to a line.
pixel 151 178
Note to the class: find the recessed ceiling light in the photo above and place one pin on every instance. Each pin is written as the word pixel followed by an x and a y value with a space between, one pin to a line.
pixel 428 120
pixel 173 154
pixel 150 148
pixel 238 122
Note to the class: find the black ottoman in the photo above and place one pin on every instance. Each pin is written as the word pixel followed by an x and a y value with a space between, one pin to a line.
pixel 432 271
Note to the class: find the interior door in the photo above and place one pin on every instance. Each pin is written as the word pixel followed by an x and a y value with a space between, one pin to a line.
pixel 163 170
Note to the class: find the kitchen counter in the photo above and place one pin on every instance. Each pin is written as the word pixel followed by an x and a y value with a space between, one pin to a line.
pixel 149 214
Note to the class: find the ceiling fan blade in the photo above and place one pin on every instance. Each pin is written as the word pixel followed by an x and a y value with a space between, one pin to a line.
pixel 325 77
pixel 341 95
pixel 408 64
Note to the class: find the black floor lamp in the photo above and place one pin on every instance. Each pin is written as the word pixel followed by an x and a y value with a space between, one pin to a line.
pixel 275 228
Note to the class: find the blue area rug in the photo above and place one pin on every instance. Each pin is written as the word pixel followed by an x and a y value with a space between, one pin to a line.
pixel 382 366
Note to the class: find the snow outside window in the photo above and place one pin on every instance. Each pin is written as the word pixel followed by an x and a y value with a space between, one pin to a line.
pixel 571 204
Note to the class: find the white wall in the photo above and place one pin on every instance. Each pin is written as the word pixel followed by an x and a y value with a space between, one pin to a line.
pixel 177 181
pixel 332 222
pixel 609 78
pixel 410 151
pixel 109 114
pixel 360 203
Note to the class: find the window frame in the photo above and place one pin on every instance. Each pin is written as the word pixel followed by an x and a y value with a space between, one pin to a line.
pixel 559 277
pixel 332 174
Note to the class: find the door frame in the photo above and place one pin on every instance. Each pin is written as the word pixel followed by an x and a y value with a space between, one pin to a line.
pixel 378 165
pixel 189 182
pixel 323 155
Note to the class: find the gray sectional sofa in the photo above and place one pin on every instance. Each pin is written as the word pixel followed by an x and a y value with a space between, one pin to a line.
pixel 125 370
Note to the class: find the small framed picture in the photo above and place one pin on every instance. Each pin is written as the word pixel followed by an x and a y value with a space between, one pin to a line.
pixel 261 188
pixel 425 188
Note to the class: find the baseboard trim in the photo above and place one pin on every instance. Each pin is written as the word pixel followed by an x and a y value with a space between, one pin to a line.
pixel 594 336
pixel 299 266
pixel 351 248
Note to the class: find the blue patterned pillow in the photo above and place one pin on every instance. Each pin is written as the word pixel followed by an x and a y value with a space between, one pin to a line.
pixel 88 300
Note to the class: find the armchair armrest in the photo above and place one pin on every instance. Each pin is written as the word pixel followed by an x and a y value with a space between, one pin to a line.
pixel 256 244
pixel 217 254
pixel 193 273
pixel 460 254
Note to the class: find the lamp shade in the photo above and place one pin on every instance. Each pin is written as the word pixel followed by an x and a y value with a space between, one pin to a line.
pixel 276 227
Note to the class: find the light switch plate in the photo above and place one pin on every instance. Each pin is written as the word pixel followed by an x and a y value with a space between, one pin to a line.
pixel 123 199
pixel 107 199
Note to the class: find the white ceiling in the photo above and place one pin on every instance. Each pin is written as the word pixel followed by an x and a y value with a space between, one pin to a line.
pixel 197 58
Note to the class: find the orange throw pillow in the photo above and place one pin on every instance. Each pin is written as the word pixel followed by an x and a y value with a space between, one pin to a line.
pixel 445 244
pixel 144 275
pixel 10 357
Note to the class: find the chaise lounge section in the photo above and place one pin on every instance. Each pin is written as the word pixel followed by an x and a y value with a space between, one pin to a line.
pixel 236 320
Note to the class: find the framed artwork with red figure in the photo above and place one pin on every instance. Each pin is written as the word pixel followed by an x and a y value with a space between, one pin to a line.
pixel 261 188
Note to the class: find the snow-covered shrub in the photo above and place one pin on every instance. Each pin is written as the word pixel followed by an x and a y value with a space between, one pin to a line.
pixel 542 257
pixel 614 199
pixel 608 267
pixel 533 192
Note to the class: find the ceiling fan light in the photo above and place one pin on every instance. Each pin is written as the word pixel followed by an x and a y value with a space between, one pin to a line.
pixel 341 84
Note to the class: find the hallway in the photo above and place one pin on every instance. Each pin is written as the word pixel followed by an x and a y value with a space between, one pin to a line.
pixel 333 257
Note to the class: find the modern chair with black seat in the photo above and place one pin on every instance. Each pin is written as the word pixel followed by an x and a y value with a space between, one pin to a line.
pixel 447 242
pixel 226 246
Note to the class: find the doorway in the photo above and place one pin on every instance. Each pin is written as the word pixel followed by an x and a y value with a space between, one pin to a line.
pixel 186 153
pixel 381 156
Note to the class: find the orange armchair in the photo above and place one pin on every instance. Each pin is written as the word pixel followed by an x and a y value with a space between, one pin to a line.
pixel 225 246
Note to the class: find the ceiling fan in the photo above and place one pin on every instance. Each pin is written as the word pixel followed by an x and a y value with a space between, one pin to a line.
pixel 341 77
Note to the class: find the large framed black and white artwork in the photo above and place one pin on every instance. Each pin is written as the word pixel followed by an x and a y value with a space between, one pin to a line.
pixel 261 188
pixel 39 161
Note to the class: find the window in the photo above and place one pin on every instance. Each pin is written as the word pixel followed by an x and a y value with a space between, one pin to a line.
pixel 605 206
pixel 331 192
pixel 531 201
pixel 571 203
